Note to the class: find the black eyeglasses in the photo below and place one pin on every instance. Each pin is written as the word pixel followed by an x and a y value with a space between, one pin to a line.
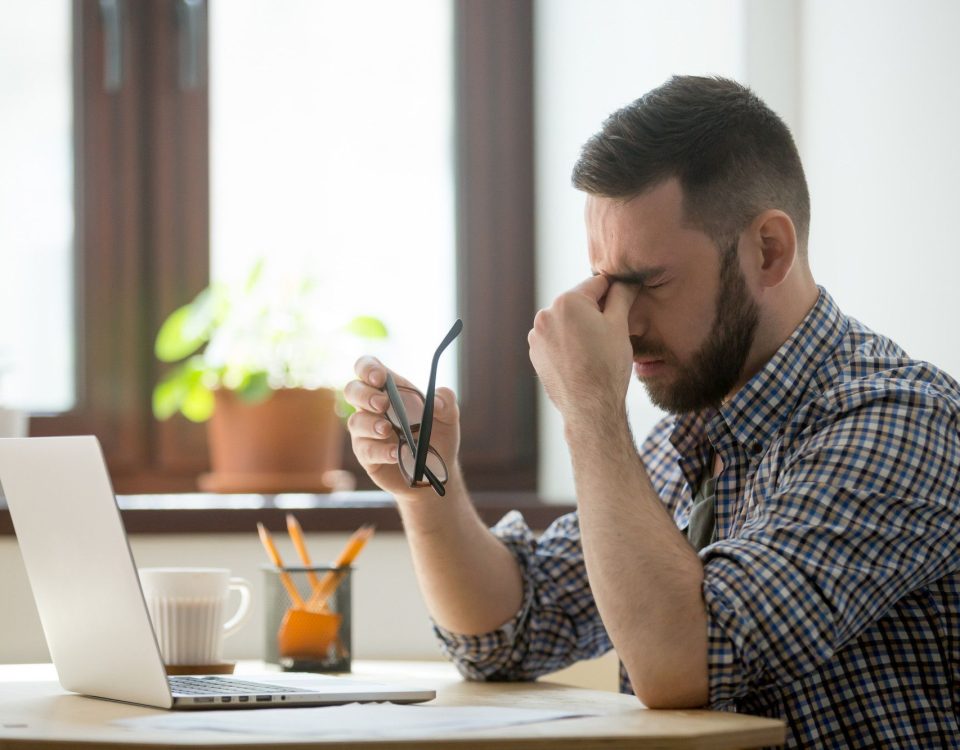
pixel 411 414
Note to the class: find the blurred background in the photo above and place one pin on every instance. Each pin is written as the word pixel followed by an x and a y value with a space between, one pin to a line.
pixel 413 159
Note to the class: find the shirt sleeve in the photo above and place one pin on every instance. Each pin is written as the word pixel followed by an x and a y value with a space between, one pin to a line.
pixel 864 511
pixel 558 622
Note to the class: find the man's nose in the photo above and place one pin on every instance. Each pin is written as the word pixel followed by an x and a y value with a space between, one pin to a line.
pixel 637 321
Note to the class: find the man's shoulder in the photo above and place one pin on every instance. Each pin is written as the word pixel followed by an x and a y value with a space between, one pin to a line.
pixel 871 386
pixel 868 364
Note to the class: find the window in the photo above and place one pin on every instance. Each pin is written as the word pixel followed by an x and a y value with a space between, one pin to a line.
pixel 144 209
pixel 36 209
pixel 331 156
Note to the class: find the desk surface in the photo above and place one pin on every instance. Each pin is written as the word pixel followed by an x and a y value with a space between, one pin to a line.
pixel 34 708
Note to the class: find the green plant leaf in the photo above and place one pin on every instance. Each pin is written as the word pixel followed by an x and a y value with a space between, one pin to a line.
pixel 169 393
pixel 176 389
pixel 172 344
pixel 253 278
pixel 188 328
pixel 367 327
pixel 198 403
pixel 255 388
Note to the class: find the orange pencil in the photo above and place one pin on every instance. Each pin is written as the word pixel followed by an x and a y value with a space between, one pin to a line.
pixel 275 558
pixel 330 581
pixel 296 534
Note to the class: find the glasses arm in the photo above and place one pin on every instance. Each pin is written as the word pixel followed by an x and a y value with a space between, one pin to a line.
pixel 426 426
pixel 398 408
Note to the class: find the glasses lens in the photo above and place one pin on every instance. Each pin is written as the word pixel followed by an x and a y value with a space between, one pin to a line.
pixel 434 463
pixel 412 404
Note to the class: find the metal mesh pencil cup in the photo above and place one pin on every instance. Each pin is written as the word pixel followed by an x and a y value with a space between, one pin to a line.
pixel 329 643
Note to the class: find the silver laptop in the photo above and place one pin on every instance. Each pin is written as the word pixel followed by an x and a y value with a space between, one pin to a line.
pixel 92 608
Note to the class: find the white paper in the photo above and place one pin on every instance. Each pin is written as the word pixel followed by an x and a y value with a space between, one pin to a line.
pixel 355 720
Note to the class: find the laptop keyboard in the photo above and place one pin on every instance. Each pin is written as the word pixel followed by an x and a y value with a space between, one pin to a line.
pixel 225 686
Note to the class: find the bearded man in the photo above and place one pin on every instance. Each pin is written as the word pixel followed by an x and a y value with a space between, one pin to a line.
pixel 784 543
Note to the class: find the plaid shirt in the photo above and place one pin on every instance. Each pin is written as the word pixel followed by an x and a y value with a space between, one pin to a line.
pixel 832 592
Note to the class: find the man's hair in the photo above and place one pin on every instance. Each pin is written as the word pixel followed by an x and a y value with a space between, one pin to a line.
pixel 734 157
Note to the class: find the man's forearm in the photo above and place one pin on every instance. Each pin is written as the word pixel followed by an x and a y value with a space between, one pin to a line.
pixel 471 582
pixel 645 577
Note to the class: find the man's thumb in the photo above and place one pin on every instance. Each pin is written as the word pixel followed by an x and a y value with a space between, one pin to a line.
pixel 446 409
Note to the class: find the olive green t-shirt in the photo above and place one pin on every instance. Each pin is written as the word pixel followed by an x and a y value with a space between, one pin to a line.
pixel 701 527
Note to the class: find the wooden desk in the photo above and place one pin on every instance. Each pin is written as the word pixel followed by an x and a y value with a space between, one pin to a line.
pixel 34 710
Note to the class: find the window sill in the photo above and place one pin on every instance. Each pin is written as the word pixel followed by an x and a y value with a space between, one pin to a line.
pixel 202 513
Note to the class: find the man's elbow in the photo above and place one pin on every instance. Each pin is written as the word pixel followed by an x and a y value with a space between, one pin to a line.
pixel 679 689
pixel 673 699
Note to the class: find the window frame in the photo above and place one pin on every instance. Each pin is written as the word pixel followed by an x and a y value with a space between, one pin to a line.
pixel 142 242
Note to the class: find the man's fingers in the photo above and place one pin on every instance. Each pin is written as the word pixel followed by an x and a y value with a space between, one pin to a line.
pixel 620 299
pixel 371 371
pixel 363 424
pixel 362 396
pixel 370 451
pixel 594 287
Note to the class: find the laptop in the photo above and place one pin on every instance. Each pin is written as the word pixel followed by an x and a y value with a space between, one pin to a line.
pixel 91 606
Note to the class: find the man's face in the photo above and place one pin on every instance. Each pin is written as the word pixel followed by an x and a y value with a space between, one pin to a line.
pixel 694 320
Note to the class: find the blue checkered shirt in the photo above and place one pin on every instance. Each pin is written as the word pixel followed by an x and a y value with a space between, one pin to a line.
pixel 832 591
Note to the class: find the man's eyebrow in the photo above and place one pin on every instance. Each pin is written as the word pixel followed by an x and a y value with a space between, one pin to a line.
pixel 641 276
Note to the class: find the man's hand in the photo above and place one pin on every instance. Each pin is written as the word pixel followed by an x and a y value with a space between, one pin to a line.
pixel 580 347
pixel 373 438
pixel 470 581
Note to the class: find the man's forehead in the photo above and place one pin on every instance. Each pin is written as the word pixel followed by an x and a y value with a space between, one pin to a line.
pixel 615 226
pixel 661 203
pixel 622 253
pixel 640 238
pixel 628 260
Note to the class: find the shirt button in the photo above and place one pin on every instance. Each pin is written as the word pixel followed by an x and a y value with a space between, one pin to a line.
pixel 756 448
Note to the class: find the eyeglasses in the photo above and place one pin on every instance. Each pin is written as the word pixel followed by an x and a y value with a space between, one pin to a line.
pixel 411 414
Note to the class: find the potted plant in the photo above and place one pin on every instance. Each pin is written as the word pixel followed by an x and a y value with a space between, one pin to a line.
pixel 262 361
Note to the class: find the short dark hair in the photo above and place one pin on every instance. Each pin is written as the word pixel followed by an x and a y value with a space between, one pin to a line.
pixel 734 157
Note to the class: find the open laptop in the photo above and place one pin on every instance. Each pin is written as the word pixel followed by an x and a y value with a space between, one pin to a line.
pixel 92 608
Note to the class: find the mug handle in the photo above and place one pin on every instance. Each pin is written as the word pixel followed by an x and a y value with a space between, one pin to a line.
pixel 243 611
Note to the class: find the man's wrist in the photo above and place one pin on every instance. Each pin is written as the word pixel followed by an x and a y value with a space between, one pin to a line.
pixel 428 512
pixel 597 420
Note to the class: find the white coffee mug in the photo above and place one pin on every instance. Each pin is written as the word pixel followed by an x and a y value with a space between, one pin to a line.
pixel 13 423
pixel 187 607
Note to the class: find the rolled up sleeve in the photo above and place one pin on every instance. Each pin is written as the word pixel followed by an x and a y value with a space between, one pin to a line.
pixel 557 623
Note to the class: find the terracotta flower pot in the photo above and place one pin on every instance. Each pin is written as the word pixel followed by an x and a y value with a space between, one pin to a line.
pixel 292 442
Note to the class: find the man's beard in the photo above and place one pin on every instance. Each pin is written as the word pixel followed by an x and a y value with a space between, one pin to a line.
pixel 716 367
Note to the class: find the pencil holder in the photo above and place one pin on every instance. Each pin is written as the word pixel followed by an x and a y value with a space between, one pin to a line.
pixel 314 634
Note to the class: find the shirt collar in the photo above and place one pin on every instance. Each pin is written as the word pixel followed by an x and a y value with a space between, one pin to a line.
pixel 759 409
pixel 756 413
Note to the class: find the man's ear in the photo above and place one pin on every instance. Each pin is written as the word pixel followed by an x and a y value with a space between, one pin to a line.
pixel 773 242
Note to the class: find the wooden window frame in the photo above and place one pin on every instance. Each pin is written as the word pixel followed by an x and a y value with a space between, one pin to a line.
pixel 142 242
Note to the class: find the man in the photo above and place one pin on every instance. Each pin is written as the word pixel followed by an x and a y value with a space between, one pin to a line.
pixel 785 542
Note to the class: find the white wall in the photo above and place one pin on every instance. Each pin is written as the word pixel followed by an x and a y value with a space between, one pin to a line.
pixel 869 90
pixel 880 120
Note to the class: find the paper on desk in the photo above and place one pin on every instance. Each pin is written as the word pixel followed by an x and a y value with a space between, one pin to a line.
pixel 355 720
